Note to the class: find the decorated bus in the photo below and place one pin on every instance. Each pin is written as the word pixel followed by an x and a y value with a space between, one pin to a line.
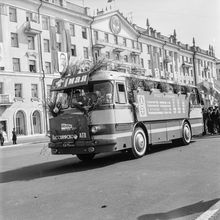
pixel 106 111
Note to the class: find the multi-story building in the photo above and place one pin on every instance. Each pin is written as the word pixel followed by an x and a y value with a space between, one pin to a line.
pixel 32 33
pixel 36 34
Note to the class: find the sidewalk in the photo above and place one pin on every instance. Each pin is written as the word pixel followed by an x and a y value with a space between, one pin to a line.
pixel 31 139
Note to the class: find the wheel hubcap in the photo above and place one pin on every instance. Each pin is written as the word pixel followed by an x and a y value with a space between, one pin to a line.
pixel 187 133
pixel 139 142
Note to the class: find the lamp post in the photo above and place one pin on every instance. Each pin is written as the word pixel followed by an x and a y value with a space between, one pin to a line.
pixel 43 73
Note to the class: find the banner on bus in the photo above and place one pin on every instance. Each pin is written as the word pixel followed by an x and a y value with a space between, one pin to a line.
pixel 70 82
pixel 160 106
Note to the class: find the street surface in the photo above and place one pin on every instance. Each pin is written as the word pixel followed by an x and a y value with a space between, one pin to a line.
pixel 169 183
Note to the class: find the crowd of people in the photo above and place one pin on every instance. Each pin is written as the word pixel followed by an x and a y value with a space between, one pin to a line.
pixel 3 135
pixel 211 120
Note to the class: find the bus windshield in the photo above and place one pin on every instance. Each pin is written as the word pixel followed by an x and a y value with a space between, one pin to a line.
pixel 101 92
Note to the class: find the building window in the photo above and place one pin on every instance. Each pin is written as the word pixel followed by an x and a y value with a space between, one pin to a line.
pixel 149 64
pixel 31 16
pixel 171 68
pixel 72 30
pixel 124 42
pixel 148 49
pixel 58 47
pixel 126 58
pixel 28 16
pixel 34 91
pixel 45 23
pixel 106 38
pixel 86 52
pixel 141 47
pixel 1 87
pixel 46 45
pixel 58 27
pixel 16 64
pixel 48 91
pixel 30 42
pixel 107 54
pixel 160 52
pixel 117 56
pixel 161 66
pixel 20 123
pixel 12 14
pixel 48 67
pixel 32 66
pixel 96 35
pixel 73 50
pixel 18 90
pixel 132 43
pixel 14 39
pixel 84 33
pixel 115 39
pixel 142 62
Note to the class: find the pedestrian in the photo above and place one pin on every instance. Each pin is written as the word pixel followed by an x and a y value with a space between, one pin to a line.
pixel 1 138
pixel 218 119
pixel 205 119
pixel 212 125
pixel 14 136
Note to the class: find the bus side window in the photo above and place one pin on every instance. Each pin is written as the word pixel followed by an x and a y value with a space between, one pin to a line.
pixel 120 94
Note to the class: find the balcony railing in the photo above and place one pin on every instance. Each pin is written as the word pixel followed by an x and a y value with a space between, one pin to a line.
pixel 5 100
pixel 32 27
pixel 102 43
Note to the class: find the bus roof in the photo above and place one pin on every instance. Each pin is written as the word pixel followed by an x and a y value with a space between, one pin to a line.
pixel 101 75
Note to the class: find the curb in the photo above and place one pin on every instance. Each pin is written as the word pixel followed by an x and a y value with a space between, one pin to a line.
pixel 21 144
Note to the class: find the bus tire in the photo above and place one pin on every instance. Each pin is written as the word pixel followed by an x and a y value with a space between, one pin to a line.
pixel 186 134
pixel 139 143
pixel 85 157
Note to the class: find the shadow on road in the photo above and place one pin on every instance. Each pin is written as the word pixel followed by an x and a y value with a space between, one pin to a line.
pixel 198 207
pixel 70 165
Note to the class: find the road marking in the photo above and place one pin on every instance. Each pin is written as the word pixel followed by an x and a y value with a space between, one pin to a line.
pixel 210 212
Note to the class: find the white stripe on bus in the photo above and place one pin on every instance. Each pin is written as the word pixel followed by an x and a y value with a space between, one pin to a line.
pixel 197 125
pixel 152 131
pixel 112 136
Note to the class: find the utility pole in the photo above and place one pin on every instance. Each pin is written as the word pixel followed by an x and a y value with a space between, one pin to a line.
pixel 194 61
pixel 43 74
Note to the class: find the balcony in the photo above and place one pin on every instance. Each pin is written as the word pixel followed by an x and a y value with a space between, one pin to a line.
pixel 187 65
pixel 5 100
pixel 31 27
pixel 101 43
pixel 168 59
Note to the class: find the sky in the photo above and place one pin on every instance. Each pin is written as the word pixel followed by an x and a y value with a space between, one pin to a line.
pixel 190 18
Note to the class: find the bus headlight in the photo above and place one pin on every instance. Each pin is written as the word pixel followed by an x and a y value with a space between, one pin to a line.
pixel 75 136
pixel 96 128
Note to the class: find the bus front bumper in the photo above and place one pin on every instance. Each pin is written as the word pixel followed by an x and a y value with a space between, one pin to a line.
pixel 83 147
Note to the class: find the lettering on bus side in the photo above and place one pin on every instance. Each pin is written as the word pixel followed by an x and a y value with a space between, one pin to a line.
pixel 142 105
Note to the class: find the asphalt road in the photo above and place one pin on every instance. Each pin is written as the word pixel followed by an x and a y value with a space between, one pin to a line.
pixel 169 183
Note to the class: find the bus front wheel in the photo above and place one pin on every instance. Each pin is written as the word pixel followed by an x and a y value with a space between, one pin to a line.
pixel 139 143
pixel 85 157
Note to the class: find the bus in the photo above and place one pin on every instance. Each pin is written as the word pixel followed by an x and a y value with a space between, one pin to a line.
pixel 114 111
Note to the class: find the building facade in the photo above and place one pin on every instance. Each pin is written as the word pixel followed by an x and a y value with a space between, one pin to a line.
pixel 39 38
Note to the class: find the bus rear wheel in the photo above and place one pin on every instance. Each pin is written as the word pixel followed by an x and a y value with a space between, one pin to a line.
pixel 85 157
pixel 186 135
pixel 139 143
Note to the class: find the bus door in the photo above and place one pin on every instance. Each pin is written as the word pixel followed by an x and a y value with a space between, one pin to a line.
pixel 123 115
pixel 195 113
